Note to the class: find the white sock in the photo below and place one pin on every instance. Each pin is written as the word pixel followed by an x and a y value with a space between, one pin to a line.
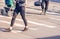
pixel 10 28
pixel 26 26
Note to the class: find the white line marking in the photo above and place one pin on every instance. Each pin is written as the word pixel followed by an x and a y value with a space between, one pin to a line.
pixel 15 31
pixel 51 13
pixel 18 25
pixel 35 23
pixel 54 18
pixel 40 24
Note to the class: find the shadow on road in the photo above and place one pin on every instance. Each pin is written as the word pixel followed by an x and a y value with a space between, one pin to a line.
pixel 3 29
pixel 52 37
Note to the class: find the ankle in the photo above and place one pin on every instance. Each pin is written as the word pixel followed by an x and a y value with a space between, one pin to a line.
pixel 10 28
pixel 26 26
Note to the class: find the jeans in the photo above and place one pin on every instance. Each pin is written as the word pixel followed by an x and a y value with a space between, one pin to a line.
pixel 44 5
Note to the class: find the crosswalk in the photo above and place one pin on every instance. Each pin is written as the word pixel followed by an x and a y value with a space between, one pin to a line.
pixel 35 22
pixel 39 25
pixel 32 22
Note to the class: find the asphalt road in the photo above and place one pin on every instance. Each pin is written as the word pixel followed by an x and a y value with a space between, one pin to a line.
pixel 40 26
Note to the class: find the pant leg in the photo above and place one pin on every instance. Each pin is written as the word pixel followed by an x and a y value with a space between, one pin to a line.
pixel 22 12
pixel 14 17
pixel 42 4
pixel 46 5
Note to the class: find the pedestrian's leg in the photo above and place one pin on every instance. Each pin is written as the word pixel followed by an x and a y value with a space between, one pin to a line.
pixel 22 12
pixel 42 6
pixel 12 21
pixel 13 18
pixel 46 6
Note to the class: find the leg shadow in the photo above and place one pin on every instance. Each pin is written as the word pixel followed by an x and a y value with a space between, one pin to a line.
pixel 52 37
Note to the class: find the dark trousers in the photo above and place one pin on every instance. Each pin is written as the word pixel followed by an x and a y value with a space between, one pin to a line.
pixel 44 3
pixel 22 13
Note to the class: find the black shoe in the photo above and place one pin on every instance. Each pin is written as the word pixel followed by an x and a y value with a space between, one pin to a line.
pixel 26 28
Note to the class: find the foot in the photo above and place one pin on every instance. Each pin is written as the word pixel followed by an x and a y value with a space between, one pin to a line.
pixel 41 13
pixel 7 30
pixel 26 28
pixel 44 13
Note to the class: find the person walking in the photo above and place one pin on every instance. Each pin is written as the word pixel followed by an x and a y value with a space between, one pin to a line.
pixel 20 7
pixel 44 6
pixel 9 4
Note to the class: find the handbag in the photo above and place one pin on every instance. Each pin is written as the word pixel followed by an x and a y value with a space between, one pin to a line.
pixel 37 3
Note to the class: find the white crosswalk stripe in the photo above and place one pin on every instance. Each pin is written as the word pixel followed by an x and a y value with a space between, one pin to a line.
pixel 18 25
pixel 35 23
pixel 54 18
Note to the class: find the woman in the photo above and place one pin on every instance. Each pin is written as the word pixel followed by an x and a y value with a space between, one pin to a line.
pixel 19 8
